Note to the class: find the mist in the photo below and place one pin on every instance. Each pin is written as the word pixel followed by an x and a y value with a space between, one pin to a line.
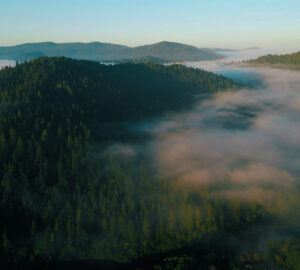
pixel 7 63
pixel 216 181
pixel 240 145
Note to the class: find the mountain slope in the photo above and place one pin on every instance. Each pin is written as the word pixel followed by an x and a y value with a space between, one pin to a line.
pixel 120 91
pixel 65 204
pixel 61 200
pixel 176 52
pixel 288 59
pixel 94 50
pixel 167 51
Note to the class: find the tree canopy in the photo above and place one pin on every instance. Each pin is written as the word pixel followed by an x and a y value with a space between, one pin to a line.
pixel 63 200
pixel 290 59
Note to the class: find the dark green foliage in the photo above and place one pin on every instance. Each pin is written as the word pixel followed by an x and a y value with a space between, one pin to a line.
pixel 58 200
pixel 289 59
pixel 117 92
pixel 277 255
pixel 166 51
pixel 63 201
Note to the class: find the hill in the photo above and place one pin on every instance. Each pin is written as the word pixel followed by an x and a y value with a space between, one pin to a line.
pixel 167 51
pixel 66 204
pixel 115 92
pixel 30 55
pixel 143 60
pixel 173 52
pixel 274 59
pixel 61 199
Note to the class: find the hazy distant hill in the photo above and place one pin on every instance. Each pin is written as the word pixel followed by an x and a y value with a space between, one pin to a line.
pixel 220 50
pixel 166 51
pixel 224 50
pixel 143 60
pixel 95 50
pixel 252 48
pixel 30 55
pixel 175 52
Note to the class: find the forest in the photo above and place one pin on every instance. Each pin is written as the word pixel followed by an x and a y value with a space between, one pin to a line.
pixel 288 59
pixel 67 203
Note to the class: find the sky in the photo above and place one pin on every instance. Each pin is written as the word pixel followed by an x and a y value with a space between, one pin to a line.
pixel 202 23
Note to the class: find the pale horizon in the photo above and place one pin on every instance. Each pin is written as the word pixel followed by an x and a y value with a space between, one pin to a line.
pixel 215 24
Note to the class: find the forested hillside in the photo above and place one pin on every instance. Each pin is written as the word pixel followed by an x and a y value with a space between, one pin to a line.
pixel 289 59
pixel 64 201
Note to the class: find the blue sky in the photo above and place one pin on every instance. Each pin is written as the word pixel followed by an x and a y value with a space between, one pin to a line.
pixel 209 23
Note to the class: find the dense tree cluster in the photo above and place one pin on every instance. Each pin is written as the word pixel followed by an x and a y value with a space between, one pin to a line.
pixel 62 200
pixel 289 59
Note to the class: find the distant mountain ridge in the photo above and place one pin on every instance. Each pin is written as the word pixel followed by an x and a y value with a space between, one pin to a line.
pixel 166 51
pixel 221 50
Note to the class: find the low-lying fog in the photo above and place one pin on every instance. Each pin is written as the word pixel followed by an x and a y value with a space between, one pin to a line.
pixel 243 144
pixel 7 63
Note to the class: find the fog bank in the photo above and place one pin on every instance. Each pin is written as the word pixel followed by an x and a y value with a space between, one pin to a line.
pixel 243 144
pixel 7 63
